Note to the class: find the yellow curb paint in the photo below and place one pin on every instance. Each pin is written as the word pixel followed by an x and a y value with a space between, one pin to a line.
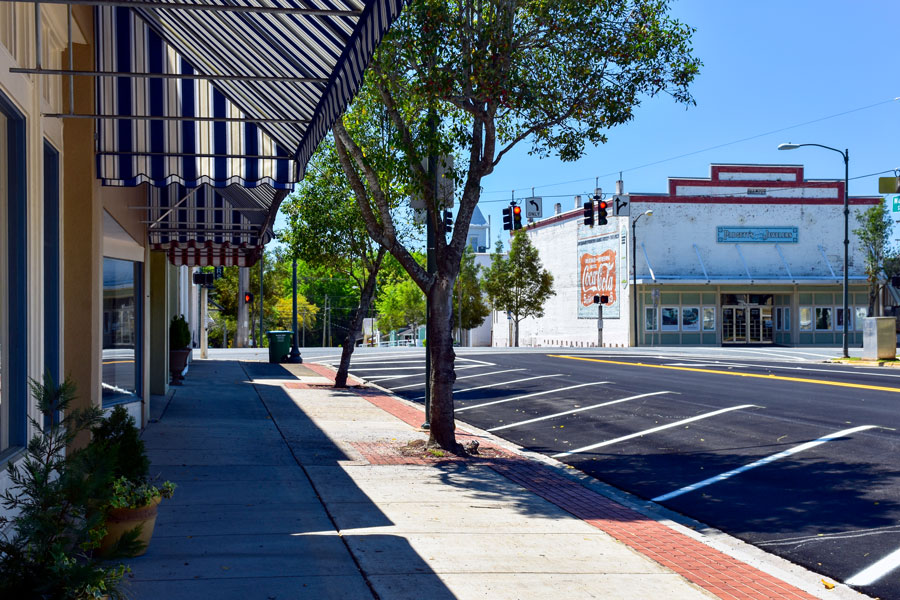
pixel 116 362
pixel 859 386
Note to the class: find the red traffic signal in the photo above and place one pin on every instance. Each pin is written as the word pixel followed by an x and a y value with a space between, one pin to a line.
pixel 601 212
pixel 248 297
pixel 517 217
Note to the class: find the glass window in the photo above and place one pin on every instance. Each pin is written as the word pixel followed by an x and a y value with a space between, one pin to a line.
pixel 824 318
pixel 4 408
pixel 669 318
pixel 778 319
pixel 690 318
pixel 839 318
pixel 709 318
pixel 650 323
pixel 861 313
pixel 120 329
pixel 787 318
pixel 805 318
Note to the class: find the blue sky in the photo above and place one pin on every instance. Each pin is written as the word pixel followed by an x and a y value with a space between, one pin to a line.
pixel 769 66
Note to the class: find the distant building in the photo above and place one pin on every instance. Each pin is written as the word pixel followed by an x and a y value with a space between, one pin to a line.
pixel 479 232
pixel 751 255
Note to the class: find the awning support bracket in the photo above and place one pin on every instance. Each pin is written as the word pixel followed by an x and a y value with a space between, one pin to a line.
pixel 827 262
pixel 700 259
pixel 649 266
pixel 783 261
pixel 744 261
pixel 173 207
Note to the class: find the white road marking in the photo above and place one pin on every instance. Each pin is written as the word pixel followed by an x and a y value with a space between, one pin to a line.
pixel 575 410
pixel 418 367
pixel 763 461
pixel 403 387
pixel 480 362
pixel 571 387
pixel 873 573
pixel 842 535
pixel 653 430
pixel 490 385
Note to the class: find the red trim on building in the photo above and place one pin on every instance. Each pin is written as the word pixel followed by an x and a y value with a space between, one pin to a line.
pixel 854 200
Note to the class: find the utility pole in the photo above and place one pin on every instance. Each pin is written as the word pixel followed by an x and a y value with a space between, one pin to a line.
pixel 259 337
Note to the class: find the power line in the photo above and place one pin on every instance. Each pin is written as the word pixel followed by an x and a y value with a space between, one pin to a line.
pixel 716 147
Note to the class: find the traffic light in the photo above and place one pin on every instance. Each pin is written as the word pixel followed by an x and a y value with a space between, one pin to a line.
pixel 602 205
pixel 589 213
pixel 248 297
pixel 448 221
pixel 507 218
pixel 517 217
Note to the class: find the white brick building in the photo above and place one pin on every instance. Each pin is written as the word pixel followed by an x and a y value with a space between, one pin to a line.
pixel 752 254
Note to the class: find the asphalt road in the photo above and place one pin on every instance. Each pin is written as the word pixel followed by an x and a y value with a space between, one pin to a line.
pixel 794 456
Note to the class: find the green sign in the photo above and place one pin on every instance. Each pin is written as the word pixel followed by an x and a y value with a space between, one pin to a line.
pixel 895 202
pixel 888 185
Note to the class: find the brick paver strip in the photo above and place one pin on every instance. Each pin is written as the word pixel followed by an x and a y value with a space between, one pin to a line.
pixel 714 571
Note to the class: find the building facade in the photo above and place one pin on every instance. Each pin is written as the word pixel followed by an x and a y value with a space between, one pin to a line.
pixel 752 254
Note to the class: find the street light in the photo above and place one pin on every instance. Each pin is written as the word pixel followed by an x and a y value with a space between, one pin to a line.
pixel 634 271
pixel 846 155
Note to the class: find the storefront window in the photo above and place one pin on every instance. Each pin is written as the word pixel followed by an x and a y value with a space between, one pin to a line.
pixel 778 319
pixel 861 313
pixel 650 323
pixel 669 318
pixel 709 318
pixel 839 318
pixel 806 318
pixel 120 329
pixel 690 319
pixel 787 318
pixel 824 318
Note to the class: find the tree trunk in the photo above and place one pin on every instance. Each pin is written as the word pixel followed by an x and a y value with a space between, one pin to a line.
pixel 516 327
pixel 365 299
pixel 443 375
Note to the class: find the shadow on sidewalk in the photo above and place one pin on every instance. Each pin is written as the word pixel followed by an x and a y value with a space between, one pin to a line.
pixel 246 520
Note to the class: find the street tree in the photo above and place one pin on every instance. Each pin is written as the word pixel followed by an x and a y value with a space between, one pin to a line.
pixel 518 284
pixel 469 305
pixel 881 257
pixel 474 80
pixel 325 229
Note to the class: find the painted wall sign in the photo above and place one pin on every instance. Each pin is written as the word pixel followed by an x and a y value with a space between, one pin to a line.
pixel 765 235
pixel 598 265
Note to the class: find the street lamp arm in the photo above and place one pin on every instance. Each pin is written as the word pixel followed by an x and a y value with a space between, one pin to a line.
pixel 843 153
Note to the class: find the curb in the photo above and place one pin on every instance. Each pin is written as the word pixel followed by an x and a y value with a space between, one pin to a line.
pixel 804 581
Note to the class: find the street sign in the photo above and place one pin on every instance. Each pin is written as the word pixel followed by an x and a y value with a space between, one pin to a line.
pixel 621 205
pixel 534 208
pixel 888 185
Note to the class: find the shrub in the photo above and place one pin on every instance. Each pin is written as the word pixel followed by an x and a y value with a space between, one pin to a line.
pixel 59 498
pixel 118 437
pixel 179 333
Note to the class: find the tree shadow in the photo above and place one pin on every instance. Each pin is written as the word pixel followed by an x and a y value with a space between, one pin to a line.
pixel 247 519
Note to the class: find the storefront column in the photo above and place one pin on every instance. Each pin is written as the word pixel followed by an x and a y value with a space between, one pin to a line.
pixel 82 256
pixel 159 323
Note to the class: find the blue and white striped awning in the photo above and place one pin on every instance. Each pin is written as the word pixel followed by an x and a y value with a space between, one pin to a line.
pixel 226 98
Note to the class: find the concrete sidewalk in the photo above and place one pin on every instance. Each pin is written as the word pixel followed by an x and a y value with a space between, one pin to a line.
pixel 288 488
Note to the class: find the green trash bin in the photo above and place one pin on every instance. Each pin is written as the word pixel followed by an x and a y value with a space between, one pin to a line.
pixel 279 345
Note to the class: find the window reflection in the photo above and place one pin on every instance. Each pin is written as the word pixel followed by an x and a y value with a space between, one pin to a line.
pixel 119 328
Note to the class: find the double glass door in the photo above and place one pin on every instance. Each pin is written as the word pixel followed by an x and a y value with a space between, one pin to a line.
pixel 747 324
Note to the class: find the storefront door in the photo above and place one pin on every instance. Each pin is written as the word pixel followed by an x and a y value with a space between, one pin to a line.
pixel 747 324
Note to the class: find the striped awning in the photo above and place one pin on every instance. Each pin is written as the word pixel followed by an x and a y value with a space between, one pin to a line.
pixel 237 94
pixel 210 226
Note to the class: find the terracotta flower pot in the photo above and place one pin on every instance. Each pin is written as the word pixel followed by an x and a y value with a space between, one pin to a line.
pixel 122 520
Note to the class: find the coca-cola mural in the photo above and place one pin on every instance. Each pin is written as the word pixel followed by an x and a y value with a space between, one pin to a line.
pixel 598 263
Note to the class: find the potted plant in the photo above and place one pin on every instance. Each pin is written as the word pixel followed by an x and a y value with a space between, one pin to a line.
pixel 131 517
pixel 131 505
pixel 56 495
pixel 179 347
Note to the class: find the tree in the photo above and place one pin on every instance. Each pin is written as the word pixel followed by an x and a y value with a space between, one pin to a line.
pixel 469 306
pixel 475 79
pixel 401 305
pixel 518 284
pixel 874 235
pixel 325 229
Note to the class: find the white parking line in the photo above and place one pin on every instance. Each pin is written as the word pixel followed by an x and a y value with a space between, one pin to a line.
pixel 490 385
pixel 417 367
pixel 571 387
pixel 873 573
pixel 480 362
pixel 403 387
pixel 575 410
pixel 653 430
pixel 761 462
